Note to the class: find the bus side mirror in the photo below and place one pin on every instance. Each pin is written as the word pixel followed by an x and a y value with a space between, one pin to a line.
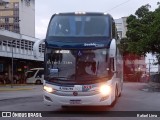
pixel 36 48
pixel 112 51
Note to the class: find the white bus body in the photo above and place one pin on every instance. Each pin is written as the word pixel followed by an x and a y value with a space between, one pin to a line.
pixel 103 92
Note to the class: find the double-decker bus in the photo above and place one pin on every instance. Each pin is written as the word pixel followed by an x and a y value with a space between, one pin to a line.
pixel 83 66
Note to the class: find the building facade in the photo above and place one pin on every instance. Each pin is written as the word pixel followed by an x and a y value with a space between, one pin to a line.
pixel 16 56
pixel 18 16
pixel 121 26
pixel 17 36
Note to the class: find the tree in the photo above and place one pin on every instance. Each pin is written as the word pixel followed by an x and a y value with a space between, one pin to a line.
pixel 143 35
pixel 129 61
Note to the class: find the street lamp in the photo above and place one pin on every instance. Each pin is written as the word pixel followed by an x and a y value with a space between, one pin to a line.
pixel 12 65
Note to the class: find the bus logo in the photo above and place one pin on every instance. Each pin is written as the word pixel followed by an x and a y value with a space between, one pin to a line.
pixel 75 93
pixel 79 53
pixel 93 44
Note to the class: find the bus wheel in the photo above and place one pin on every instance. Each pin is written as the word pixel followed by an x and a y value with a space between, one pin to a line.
pixel 38 82
pixel 120 94
pixel 116 97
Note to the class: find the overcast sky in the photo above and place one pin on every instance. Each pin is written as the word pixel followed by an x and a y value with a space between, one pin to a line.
pixel 117 8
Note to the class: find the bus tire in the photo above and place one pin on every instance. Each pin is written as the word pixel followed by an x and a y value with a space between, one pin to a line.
pixel 116 97
pixel 38 82
pixel 120 94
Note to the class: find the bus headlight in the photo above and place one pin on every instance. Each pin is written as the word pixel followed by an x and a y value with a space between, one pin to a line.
pixel 105 89
pixel 48 89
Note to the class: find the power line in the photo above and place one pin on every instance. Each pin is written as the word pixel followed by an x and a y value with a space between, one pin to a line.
pixel 118 5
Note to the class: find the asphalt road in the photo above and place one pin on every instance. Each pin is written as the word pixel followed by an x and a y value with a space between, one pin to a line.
pixel 133 99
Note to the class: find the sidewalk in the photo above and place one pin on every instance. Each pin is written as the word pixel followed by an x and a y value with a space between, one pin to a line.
pixel 15 87
pixel 20 91
pixel 152 87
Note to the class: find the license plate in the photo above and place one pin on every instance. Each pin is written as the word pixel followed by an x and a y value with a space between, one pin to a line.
pixel 77 102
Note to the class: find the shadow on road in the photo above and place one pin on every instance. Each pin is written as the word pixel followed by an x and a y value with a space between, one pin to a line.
pixel 80 111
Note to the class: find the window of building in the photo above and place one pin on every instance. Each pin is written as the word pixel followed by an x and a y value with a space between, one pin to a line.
pixel 6 20
pixel 6 27
pixel 26 44
pixel 16 12
pixel 16 19
pixel 7 5
pixel 120 34
pixel 1 20
pixel 16 5
pixel 4 42
pixel 22 44
pixel 1 3
pixel 27 2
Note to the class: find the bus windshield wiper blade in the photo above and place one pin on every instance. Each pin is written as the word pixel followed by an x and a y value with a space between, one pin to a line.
pixel 58 78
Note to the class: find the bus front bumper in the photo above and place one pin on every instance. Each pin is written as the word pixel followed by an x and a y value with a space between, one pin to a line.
pixel 94 100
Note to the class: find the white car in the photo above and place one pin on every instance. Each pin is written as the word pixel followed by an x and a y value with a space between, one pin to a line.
pixel 35 76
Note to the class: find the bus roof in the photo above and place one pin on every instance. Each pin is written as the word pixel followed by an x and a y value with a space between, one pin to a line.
pixel 84 13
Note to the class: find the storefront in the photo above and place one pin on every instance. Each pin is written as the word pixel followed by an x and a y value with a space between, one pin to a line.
pixel 20 66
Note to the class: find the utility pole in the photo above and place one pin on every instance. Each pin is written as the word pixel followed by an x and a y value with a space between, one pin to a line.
pixel 12 65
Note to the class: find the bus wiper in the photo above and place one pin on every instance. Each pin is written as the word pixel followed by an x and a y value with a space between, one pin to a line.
pixel 91 77
pixel 58 78
pixel 87 76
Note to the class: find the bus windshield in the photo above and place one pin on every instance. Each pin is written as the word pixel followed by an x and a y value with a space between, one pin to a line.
pixel 79 26
pixel 76 65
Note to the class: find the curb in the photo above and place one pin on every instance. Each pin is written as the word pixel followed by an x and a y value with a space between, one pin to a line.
pixel 14 89
pixel 16 85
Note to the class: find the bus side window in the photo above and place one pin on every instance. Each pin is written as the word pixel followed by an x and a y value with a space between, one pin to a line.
pixel 111 67
pixel 114 30
pixel 112 64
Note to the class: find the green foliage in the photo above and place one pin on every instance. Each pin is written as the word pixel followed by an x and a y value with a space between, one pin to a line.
pixel 143 35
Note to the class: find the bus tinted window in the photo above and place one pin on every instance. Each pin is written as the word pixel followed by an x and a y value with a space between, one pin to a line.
pixel 79 26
